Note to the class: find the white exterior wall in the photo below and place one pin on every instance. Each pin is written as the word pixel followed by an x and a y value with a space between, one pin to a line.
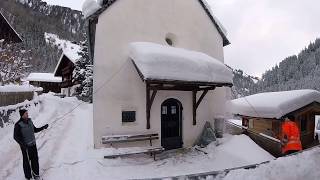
pixel 117 81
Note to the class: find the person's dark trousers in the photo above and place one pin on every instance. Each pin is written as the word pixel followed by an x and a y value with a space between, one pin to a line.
pixel 30 156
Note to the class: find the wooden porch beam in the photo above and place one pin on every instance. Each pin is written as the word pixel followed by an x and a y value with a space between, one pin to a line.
pixel 194 107
pixel 201 98
pixel 149 102
pixel 181 88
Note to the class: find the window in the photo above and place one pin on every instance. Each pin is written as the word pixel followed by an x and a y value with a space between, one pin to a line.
pixel 128 116
pixel 164 110
pixel 173 109
pixel 169 41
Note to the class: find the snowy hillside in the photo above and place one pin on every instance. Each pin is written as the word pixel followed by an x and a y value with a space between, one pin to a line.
pixel 32 18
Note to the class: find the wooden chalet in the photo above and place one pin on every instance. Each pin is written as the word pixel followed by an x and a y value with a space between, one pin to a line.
pixel 7 32
pixel 47 81
pixel 263 115
pixel 64 69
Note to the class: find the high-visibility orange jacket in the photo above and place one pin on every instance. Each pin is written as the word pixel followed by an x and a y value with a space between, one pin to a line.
pixel 291 137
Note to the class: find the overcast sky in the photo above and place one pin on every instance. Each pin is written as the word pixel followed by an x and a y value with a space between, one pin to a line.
pixel 261 32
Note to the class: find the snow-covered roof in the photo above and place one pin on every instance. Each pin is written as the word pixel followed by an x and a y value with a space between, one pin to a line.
pixel 165 63
pixel 89 7
pixel 19 88
pixel 15 35
pixel 274 104
pixel 93 8
pixel 70 50
pixel 43 77
pixel 60 60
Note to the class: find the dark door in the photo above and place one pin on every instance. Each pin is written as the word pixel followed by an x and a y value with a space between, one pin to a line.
pixel 171 124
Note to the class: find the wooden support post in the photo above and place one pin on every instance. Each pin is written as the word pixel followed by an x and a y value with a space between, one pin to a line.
pixel 194 107
pixel 197 103
pixel 148 105
pixel 201 97
pixel 149 102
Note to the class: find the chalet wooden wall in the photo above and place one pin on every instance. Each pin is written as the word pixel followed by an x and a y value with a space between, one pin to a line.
pixel 47 86
pixel 305 115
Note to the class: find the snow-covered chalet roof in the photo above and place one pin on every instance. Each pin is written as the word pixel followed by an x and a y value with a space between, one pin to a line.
pixel 274 104
pixel 7 32
pixel 92 9
pixel 165 63
pixel 43 77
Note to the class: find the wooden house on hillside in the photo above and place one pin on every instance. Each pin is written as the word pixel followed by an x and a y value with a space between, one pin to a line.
pixel 47 81
pixel 7 33
pixel 263 114
pixel 158 69
pixel 64 69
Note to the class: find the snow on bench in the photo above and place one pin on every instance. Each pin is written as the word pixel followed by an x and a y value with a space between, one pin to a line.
pixel 132 138
pixel 129 138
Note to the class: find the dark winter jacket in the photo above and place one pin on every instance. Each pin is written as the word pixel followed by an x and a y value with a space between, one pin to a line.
pixel 24 132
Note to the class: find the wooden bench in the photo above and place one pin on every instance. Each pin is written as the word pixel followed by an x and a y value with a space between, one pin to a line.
pixel 133 138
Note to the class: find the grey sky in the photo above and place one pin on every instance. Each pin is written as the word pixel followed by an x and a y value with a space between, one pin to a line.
pixel 262 32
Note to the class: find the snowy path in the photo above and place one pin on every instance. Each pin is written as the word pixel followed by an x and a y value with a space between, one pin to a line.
pixel 66 150
pixel 53 142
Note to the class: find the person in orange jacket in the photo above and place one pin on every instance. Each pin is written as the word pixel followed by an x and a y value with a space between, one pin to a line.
pixel 290 136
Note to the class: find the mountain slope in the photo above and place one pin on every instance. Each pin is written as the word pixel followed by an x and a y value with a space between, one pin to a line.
pixel 300 71
pixel 32 18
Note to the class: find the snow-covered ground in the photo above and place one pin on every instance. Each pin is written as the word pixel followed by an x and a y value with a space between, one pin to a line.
pixel 302 166
pixel 66 151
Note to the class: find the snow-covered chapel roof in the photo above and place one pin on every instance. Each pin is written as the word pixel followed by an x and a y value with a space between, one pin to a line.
pixel 92 9
pixel 274 104
pixel 165 63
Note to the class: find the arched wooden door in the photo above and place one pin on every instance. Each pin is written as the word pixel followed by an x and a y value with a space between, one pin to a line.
pixel 171 124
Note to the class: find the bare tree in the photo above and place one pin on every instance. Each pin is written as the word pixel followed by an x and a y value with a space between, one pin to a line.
pixel 14 63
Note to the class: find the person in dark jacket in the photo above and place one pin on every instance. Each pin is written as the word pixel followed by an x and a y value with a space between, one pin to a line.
pixel 24 135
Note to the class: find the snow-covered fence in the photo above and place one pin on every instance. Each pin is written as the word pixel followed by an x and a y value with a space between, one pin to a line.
pixel 10 98
pixel 10 113
pixel 13 94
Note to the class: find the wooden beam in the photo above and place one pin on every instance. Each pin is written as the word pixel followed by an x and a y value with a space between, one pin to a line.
pixel 201 98
pixel 189 83
pixel 149 102
pixel 194 107
pixel 148 105
pixel 154 92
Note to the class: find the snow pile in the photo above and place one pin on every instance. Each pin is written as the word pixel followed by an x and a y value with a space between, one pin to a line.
pixel 301 166
pixel 19 88
pixel 158 62
pixel 235 121
pixel 43 77
pixel 71 50
pixel 89 7
pixel 273 104
pixel 12 112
